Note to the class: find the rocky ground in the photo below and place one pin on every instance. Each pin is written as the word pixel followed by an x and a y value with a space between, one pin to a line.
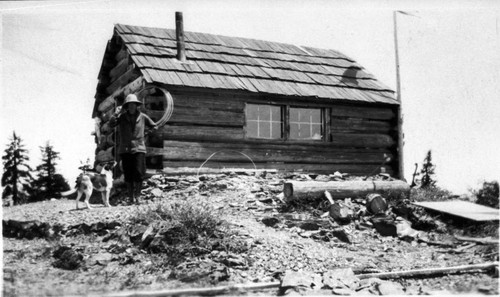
pixel 59 250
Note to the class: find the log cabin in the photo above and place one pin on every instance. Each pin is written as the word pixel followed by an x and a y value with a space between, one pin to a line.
pixel 230 102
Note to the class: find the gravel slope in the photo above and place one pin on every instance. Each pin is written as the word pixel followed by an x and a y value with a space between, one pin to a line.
pixel 273 250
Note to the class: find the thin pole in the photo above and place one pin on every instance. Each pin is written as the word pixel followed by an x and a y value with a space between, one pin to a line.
pixel 398 96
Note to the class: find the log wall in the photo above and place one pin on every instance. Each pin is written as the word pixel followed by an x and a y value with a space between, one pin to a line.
pixel 212 125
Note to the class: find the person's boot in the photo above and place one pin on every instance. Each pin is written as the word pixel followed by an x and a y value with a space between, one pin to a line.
pixel 131 193
pixel 137 191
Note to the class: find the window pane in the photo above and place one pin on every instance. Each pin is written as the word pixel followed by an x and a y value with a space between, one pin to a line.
pixel 316 132
pixel 303 131
pixel 265 113
pixel 264 130
pixel 304 115
pixel 276 130
pixel 252 129
pixel 294 131
pixel 306 123
pixel 263 121
pixel 294 114
pixel 252 112
pixel 275 113
pixel 315 116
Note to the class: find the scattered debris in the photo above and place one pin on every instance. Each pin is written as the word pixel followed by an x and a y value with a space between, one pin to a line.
pixel 375 203
pixel 194 271
pixel 339 211
pixel 67 258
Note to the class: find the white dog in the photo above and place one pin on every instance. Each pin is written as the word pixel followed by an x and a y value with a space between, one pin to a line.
pixel 87 182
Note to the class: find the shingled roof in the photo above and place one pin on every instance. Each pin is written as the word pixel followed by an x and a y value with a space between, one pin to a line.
pixel 233 63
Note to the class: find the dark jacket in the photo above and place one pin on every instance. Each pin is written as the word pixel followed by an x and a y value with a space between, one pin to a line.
pixel 131 132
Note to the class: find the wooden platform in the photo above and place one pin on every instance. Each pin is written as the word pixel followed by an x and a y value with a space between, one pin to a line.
pixel 463 209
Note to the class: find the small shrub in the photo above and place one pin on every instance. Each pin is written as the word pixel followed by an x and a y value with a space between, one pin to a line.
pixel 190 219
pixel 185 228
pixel 430 194
pixel 488 195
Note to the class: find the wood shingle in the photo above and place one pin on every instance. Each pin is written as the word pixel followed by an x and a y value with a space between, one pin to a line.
pixel 233 63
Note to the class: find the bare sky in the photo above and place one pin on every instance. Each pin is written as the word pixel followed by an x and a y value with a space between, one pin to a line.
pixel 450 67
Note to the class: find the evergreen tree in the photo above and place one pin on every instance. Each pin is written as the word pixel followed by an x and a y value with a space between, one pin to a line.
pixel 16 179
pixel 427 172
pixel 49 183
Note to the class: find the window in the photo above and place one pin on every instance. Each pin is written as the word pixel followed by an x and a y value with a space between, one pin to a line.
pixel 306 123
pixel 263 121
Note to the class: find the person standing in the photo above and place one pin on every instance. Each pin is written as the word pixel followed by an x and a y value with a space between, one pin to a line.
pixel 132 148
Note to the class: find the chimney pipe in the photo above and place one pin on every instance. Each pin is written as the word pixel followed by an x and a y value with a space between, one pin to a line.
pixel 179 33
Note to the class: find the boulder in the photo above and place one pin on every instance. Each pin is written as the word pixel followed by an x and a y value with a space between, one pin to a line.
pixel 340 278
pixel 390 288
pixel 270 221
pixel 385 225
pixel 301 280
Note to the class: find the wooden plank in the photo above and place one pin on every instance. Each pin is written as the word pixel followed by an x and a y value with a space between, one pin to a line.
pixel 202 116
pixel 121 54
pixel 214 101
pixel 191 132
pixel 119 69
pixel 431 272
pixel 465 209
pixel 350 125
pixel 362 140
pixel 107 104
pixel 377 113
pixel 234 152
pixel 125 78
pixel 263 144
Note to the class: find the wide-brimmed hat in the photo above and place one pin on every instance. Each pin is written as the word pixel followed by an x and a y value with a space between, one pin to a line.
pixel 131 98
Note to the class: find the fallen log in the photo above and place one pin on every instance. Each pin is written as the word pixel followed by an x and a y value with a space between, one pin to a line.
pixel 197 291
pixel 300 190
pixel 429 271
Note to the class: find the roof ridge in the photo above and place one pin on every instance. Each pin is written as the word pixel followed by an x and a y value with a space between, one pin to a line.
pixel 302 48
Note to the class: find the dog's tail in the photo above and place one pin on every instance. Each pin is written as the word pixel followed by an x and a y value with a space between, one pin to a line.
pixel 68 193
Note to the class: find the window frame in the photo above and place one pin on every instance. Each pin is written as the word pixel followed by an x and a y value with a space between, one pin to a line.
pixel 325 113
pixel 321 123
pixel 282 122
